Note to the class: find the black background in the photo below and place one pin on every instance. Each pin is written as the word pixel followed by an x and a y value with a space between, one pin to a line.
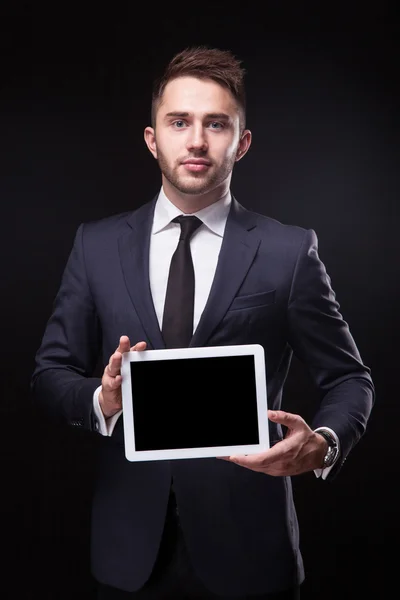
pixel 323 107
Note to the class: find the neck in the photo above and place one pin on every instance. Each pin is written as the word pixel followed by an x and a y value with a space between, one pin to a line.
pixel 191 203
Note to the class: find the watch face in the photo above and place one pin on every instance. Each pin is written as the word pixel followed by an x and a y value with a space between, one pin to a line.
pixel 329 457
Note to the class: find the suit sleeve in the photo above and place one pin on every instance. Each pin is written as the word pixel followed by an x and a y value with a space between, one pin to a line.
pixel 321 339
pixel 62 382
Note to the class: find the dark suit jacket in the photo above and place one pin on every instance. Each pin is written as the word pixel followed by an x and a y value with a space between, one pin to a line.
pixel 270 288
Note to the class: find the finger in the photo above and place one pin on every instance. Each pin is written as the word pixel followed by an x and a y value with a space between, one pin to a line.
pixel 263 459
pixel 290 420
pixel 242 461
pixel 140 346
pixel 124 344
pixel 114 366
pixel 111 384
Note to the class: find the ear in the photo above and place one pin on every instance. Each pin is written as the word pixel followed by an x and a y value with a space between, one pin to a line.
pixel 244 144
pixel 150 139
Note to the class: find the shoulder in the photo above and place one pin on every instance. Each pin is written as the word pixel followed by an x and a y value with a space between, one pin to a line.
pixel 282 235
pixel 107 225
pixel 117 224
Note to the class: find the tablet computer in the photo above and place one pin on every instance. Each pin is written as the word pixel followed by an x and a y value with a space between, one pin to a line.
pixel 194 402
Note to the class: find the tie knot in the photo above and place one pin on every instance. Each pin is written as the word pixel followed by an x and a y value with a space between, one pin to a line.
pixel 188 226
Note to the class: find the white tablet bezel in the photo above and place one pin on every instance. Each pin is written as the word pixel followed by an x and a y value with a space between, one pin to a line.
pixel 184 353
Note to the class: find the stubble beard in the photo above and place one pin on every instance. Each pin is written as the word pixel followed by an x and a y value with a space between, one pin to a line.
pixel 194 183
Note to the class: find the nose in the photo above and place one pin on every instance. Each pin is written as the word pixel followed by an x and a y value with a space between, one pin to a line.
pixel 197 139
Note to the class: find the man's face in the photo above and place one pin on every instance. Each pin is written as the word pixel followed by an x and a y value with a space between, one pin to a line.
pixel 197 134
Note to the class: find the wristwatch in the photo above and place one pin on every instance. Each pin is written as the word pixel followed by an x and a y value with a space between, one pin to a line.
pixel 333 450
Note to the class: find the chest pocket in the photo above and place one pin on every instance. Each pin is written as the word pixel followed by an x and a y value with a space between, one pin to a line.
pixel 258 300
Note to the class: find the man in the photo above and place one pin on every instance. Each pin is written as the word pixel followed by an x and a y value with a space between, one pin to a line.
pixel 202 528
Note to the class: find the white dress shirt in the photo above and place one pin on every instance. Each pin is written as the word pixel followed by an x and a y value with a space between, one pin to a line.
pixel 205 246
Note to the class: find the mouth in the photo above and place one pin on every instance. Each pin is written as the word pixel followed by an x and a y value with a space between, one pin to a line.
pixel 196 165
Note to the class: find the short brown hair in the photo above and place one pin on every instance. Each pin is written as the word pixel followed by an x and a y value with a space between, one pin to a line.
pixel 203 62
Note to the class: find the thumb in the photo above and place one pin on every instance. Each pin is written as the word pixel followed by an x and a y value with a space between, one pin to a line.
pixel 285 418
pixel 275 415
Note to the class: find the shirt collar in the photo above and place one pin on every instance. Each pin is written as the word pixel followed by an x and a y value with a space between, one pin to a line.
pixel 213 216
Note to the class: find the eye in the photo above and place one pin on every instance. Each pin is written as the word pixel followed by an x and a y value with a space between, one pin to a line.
pixel 216 125
pixel 179 124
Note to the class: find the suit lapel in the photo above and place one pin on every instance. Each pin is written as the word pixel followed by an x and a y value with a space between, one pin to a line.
pixel 238 250
pixel 239 247
pixel 134 255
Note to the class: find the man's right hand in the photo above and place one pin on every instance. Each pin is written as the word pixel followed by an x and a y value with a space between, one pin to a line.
pixel 110 397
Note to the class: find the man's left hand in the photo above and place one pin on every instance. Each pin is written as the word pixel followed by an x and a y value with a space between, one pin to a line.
pixel 300 451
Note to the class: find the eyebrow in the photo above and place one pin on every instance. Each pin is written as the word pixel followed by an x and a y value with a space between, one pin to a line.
pixel 183 115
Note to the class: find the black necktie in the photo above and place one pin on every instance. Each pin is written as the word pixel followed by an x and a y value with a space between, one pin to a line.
pixel 177 324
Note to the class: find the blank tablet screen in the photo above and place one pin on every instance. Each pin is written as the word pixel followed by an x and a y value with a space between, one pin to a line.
pixel 194 402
